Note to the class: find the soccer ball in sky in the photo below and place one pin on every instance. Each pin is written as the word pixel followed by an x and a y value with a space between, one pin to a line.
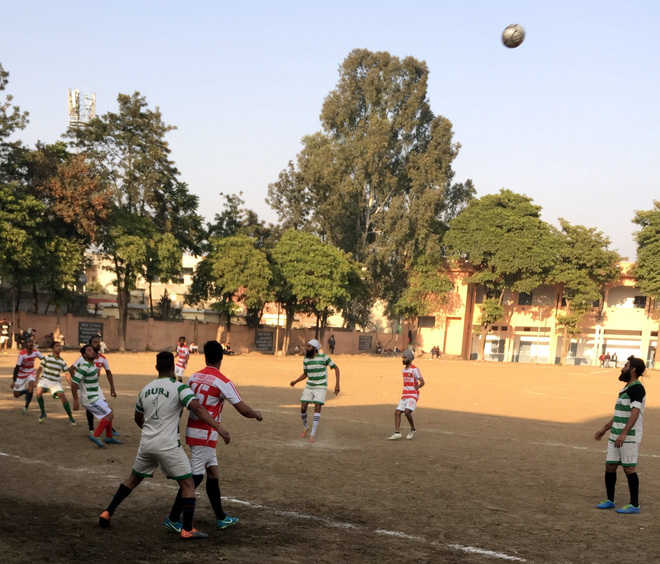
pixel 513 35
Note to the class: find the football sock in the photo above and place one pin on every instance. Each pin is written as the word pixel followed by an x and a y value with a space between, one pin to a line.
pixel 198 479
pixel 108 430
pixel 188 507
pixel 315 424
pixel 28 399
pixel 67 408
pixel 610 483
pixel 21 393
pixel 101 426
pixel 90 420
pixel 40 401
pixel 213 491
pixel 121 495
pixel 303 416
pixel 633 485
pixel 175 512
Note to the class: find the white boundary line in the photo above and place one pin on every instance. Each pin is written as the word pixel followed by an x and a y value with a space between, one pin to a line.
pixel 296 515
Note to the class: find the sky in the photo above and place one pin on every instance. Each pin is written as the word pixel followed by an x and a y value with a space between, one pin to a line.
pixel 571 118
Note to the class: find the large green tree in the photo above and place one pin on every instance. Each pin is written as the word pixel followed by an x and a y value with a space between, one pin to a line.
pixel 585 265
pixel 377 180
pixel 510 247
pixel 128 148
pixel 647 269
pixel 233 272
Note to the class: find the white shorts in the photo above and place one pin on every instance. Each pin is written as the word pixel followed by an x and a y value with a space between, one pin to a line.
pixel 627 455
pixel 3 339
pixel 201 458
pixel 178 372
pixel 99 408
pixel 50 385
pixel 21 384
pixel 314 395
pixel 173 462
pixel 408 403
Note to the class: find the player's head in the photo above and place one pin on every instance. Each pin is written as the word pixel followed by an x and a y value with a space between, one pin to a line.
pixel 88 352
pixel 634 367
pixel 311 348
pixel 95 341
pixel 407 357
pixel 29 343
pixel 57 347
pixel 165 364
pixel 182 340
pixel 213 353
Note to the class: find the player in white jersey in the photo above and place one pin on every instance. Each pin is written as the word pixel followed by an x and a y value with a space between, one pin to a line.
pixel 157 413
pixel 24 377
pixel 50 380
pixel 412 382
pixel 182 355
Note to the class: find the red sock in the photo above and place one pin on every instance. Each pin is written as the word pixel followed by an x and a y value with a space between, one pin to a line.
pixel 108 429
pixel 102 424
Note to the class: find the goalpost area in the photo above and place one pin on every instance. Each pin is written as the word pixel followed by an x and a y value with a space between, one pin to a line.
pixel 504 467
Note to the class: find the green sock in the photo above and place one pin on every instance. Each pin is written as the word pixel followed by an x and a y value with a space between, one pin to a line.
pixel 67 408
pixel 40 401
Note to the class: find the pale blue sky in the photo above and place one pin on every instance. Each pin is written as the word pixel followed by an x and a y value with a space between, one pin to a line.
pixel 571 118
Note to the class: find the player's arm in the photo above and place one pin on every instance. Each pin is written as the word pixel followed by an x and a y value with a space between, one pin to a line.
pixel 604 429
pixel 336 369
pixel 246 411
pixel 419 380
pixel 634 415
pixel 200 411
pixel 74 393
pixel 139 418
pixel 111 381
pixel 299 379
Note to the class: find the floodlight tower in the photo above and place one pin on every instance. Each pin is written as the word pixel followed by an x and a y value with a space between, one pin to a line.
pixel 80 114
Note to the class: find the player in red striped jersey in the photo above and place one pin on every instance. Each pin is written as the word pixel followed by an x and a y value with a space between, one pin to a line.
pixel 412 382
pixel 212 388
pixel 24 378
pixel 182 354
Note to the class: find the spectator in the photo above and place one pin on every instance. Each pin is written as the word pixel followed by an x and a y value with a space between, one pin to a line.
pixel 607 360
pixel 194 349
pixel 5 330
pixel 331 344
pixel 615 360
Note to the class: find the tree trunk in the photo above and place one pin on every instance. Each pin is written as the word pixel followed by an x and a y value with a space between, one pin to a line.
pixel 151 302
pixel 316 329
pixel 484 334
pixel 35 297
pixel 290 312
pixel 123 297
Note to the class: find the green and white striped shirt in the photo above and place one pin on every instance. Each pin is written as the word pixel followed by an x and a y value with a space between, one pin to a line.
pixel 87 377
pixel 316 370
pixel 633 395
pixel 52 368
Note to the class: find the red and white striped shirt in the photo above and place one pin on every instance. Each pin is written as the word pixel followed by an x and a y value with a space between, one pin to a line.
pixel 212 388
pixel 182 354
pixel 411 375
pixel 25 362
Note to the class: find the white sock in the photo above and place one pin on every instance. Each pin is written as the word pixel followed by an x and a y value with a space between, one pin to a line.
pixel 303 416
pixel 317 418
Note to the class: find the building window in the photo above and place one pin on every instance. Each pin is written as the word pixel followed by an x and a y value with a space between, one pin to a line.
pixel 640 302
pixel 524 299
pixel 504 328
pixel 426 321
pixel 187 270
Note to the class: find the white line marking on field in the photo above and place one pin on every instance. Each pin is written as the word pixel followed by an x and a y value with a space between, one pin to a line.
pixel 296 515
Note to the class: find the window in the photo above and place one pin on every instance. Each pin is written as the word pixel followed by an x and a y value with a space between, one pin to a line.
pixel 640 302
pixel 563 302
pixel 426 321
pixel 524 299
pixel 187 270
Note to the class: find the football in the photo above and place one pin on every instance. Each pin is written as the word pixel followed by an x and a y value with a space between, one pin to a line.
pixel 513 35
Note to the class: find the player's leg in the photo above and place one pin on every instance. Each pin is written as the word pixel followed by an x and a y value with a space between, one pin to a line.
pixel 397 423
pixel 40 401
pixel 317 419
pixel 629 454
pixel 125 489
pixel 612 461
pixel 408 413
pixel 197 464
pixel 60 395
pixel 303 417
pixel 90 421
pixel 213 492
pixel 28 395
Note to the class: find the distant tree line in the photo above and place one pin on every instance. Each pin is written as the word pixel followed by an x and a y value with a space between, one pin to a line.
pixel 368 210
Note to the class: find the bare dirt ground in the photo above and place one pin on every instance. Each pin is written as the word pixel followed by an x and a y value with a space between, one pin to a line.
pixel 503 467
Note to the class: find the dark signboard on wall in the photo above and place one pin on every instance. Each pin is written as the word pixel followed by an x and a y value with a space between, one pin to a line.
pixel 87 329
pixel 364 342
pixel 263 340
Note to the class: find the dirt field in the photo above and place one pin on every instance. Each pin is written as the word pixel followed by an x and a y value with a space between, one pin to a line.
pixel 503 467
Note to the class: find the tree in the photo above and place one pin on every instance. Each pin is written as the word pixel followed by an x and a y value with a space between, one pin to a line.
pixel 233 272
pixel 585 265
pixel 314 276
pixel 129 150
pixel 376 181
pixel 647 269
pixel 510 247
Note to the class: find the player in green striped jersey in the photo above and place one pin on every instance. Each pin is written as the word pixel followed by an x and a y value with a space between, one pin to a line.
pixel 625 435
pixel 315 370
pixel 49 375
